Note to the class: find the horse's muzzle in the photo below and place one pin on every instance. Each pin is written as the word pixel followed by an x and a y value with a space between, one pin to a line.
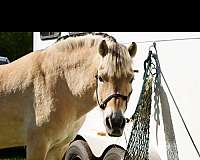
pixel 115 124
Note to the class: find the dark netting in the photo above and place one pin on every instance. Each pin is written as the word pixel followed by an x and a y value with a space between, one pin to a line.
pixel 138 144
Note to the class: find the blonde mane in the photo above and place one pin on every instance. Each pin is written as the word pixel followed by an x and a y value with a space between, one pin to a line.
pixel 117 62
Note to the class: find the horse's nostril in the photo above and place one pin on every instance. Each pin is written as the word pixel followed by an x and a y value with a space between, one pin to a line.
pixel 118 122
pixel 123 123
pixel 115 124
pixel 108 124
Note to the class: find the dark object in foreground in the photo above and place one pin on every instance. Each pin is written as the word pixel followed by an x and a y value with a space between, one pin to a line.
pixel 14 152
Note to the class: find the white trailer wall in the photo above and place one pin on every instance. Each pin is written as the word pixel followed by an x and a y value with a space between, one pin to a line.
pixel 180 65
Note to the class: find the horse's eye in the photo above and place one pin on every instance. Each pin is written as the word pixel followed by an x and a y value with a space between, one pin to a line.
pixel 131 80
pixel 100 79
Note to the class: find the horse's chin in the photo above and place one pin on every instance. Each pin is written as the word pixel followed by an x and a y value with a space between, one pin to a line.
pixel 114 132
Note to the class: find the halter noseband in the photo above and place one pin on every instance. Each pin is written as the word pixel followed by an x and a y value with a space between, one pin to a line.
pixel 103 104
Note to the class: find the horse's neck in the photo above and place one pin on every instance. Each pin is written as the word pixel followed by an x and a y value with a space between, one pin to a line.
pixel 79 67
pixel 80 70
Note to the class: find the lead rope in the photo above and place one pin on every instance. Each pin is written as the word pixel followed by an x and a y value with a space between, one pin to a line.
pixel 156 54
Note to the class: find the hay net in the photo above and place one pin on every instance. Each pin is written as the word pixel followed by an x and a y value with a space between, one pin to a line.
pixel 138 144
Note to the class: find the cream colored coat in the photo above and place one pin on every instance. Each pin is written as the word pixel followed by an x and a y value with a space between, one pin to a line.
pixel 45 95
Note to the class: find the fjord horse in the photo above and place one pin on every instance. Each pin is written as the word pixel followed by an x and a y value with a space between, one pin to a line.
pixel 45 95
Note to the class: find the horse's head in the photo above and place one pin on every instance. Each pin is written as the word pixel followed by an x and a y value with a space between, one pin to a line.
pixel 114 78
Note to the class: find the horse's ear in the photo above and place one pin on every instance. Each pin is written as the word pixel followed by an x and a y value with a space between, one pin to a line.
pixel 103 48
pixel 132 49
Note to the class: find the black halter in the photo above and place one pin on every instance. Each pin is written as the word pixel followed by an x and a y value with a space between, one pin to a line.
pixel 103 104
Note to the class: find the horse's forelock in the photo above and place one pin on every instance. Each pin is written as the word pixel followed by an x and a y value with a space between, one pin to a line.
pixel 118 62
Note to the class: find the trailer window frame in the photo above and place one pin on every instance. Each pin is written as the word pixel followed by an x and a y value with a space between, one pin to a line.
pixel 49 35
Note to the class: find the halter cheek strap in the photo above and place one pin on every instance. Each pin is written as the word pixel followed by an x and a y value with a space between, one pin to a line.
pixel 103 104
